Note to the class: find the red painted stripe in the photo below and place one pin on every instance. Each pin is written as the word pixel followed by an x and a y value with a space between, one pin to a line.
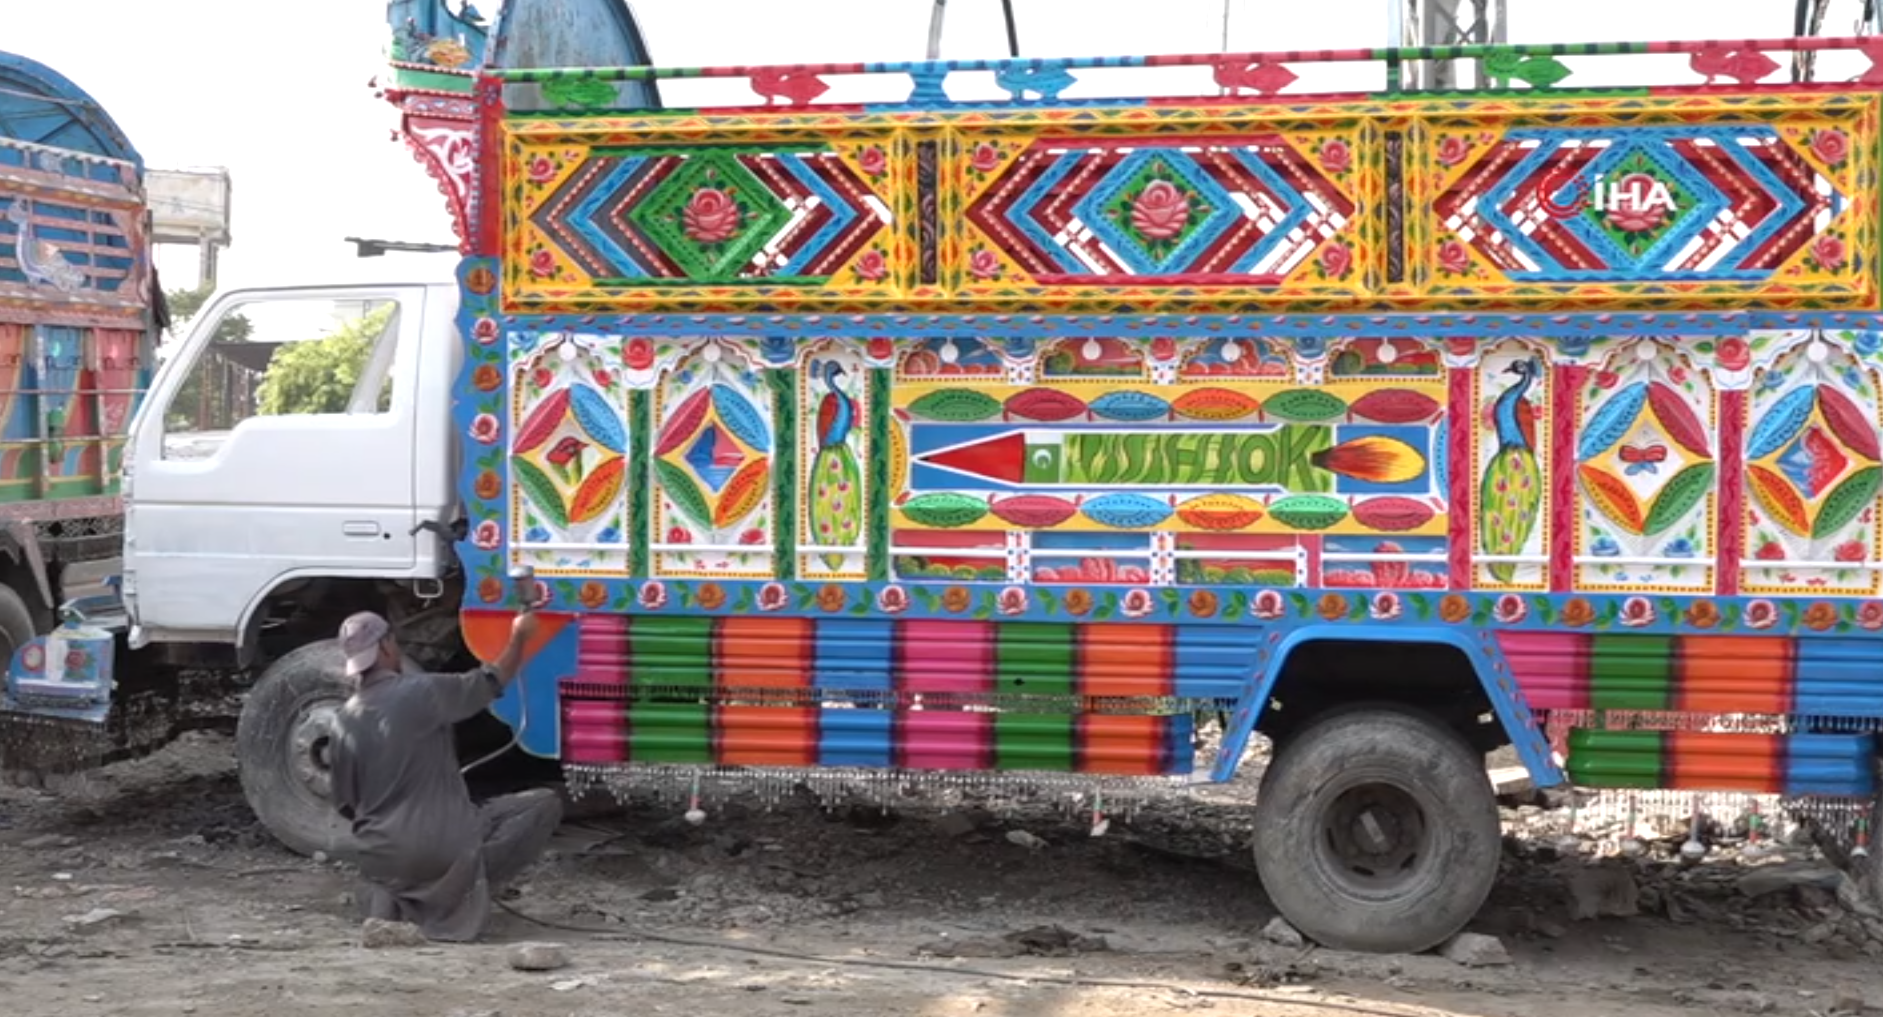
pixel 1566 410
pixel 1729 521
pixel 1461 432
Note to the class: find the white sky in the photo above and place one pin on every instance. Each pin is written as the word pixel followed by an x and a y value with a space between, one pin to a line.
pixel 278 93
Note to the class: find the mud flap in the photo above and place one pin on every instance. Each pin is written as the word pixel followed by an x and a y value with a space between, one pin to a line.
pixel 57 701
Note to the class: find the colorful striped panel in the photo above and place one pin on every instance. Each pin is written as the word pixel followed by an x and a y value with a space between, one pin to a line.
pixel 1631 672
pixel 1552 668
pixel 1733 674
pixel 753 654
pixel 853 657
pixel 945 740
pixel 944 660
pixel 1125 661
pixel 1710 761
pixel 794 692
pixel 1214 661
pixel 1834 764
pixel 856 737
pixel 668 656
pixel 1034 659
pixel 594 721
pixel 1125 745
pixel 1798 764
pixel 946 657
pixel 1839 677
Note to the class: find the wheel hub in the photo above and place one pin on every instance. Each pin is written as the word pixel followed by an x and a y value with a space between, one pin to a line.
pixel 1374 835
pixel 309 747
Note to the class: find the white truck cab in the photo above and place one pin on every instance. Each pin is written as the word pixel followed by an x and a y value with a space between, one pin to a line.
pixel 238 490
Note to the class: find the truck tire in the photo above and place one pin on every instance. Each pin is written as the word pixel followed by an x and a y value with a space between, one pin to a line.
pixel 1377 830
pixel 16 626
pixel 281 740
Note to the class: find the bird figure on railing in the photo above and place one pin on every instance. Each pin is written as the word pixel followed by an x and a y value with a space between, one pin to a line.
pixel 836 483
pixel 1512 489
pixel 795 87
pixel 42 261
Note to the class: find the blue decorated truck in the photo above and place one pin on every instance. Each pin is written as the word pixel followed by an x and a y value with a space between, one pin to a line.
pixel 79 320
pixel 870 443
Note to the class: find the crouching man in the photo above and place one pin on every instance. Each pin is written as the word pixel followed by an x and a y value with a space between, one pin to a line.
pixel 427 854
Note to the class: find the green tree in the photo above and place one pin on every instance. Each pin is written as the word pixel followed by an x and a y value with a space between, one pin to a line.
pixel 186 304
pixel 188 403
pixel 319 375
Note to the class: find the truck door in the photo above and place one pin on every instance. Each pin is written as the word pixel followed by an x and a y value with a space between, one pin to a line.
pixel 276 444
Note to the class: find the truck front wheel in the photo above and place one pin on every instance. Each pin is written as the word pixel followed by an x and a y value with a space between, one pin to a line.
pixel 1377 830
pixel 282 742
pixel 16 626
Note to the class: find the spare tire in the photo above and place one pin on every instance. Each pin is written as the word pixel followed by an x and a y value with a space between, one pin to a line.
pixel 1377 830
pixel 282 739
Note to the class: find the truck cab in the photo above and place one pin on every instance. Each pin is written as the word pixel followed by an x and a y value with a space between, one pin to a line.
pixel 298 438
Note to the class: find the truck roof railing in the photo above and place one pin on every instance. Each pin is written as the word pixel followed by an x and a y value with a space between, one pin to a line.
pixel 1721 63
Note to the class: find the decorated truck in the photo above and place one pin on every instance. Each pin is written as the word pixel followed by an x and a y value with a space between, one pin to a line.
pixel 78 327
pixel 952 441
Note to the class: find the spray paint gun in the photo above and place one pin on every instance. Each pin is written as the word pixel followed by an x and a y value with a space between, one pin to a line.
pixel 523 585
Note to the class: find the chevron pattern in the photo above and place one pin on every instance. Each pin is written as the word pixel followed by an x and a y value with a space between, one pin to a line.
pixel 1246 210
pixel 1743 200
pixel 710 215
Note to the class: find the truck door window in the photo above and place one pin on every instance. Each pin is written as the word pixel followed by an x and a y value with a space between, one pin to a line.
pixel 282 357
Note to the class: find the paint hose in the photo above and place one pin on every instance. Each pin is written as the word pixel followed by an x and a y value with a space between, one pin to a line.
pixel 523 585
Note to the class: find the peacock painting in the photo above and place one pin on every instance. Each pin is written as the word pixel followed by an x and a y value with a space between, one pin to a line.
pixel 1512 489
pixel 836 510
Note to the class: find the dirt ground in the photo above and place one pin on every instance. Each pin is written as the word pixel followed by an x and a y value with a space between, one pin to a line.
pixel 148 889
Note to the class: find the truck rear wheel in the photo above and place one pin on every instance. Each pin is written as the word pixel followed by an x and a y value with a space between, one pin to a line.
pixel 282 742
pixel 1377 830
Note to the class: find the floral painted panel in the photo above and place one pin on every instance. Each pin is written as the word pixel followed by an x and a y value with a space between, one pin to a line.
pixel 1646 466
pixel 711 465
pixel 568 456
pixel 1812 469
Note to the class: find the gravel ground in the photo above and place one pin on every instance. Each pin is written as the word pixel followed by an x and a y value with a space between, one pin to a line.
pixel 147 888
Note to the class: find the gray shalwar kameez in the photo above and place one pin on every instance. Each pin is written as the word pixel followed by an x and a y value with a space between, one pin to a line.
pixel 427 854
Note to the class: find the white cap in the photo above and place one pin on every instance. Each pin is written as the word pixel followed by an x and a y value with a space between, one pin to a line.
pixel 360 636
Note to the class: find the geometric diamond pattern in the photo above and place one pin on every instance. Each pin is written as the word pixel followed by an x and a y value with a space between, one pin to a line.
pixel 715 457
pixel 710 215
pixel 1745 203
pixel 1253 210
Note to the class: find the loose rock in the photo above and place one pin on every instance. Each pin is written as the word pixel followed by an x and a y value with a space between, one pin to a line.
pixel 538 957
pixel 1774 878
pixel 1025 840
pixel 1604 890
pixel 93 918
pixel 379 934
pixel 1280 933
pixel 1476 951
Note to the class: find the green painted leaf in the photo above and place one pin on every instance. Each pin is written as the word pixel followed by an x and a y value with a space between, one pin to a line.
pixel 955 405
pixel 1846 501
pixel 541 491
pixel 1304 404
pixel 1678 496
pixel 686 495
pixel 945 509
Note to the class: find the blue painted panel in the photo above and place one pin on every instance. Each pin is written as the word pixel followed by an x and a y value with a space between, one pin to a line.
pixel 1839 677
pixel 855 737
pixel 1830 764
pixel 853 655
pixel 1214 662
